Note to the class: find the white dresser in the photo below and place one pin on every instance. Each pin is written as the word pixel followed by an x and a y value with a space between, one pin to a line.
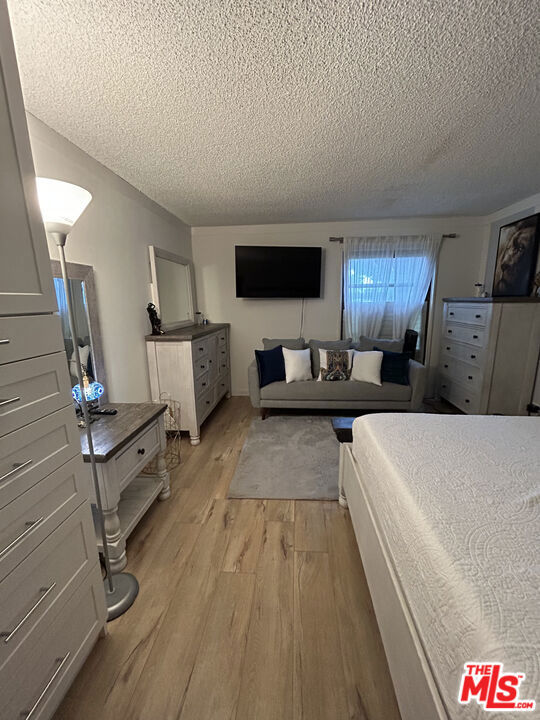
pixel 192 366
pixel 489 354
pixel 52 604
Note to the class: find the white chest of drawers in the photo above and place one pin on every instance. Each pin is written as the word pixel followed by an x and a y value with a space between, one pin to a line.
pixel 52 604
pixel 192 366
pixel 489 354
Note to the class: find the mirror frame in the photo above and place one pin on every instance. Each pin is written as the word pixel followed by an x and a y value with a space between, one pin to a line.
pixel 156 252
pixel 85 273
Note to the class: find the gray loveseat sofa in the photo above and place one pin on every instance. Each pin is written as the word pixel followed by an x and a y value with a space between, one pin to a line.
pixel 346 395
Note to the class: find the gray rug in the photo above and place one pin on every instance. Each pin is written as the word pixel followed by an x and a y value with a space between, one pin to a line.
pixel 288 458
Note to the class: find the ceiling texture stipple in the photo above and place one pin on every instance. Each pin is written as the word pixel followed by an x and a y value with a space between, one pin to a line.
pixel 258 111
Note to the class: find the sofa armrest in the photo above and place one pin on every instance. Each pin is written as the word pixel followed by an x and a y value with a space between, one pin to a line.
pixel 253 384
pixel 417 380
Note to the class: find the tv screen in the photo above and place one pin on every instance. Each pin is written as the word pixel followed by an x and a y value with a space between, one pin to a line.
pixel 277 271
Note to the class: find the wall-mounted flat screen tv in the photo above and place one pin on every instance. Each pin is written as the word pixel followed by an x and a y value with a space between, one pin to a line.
pixel 265 271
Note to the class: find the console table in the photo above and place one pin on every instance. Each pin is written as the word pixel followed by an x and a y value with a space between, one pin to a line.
pixel 123 444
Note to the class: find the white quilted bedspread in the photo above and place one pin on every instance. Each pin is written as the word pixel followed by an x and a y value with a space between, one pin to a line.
pixel 458 501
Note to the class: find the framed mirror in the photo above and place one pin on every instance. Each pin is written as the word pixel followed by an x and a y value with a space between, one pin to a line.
pixel 83 293
pixel 173 288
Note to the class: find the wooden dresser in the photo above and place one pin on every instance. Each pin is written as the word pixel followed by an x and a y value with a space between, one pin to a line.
pixel 192 366
pixel 489 354
pixel 52 603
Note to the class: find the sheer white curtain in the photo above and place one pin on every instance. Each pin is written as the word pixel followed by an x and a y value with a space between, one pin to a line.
pixel 367 275
pixel 415 260
pixel 386 280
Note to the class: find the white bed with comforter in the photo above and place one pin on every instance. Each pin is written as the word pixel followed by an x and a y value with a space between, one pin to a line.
pixel 446 510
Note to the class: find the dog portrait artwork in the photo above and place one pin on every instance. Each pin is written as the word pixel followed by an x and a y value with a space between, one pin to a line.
pixel 517 257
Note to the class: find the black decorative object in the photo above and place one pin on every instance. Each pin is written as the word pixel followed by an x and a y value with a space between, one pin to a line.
pixel 154 319
pixel 517 257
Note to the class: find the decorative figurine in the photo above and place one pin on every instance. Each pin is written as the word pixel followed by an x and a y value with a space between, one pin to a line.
pixel 154 319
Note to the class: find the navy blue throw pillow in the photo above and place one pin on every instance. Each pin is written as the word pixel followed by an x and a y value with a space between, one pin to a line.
pixel 395 367
pixel 271 365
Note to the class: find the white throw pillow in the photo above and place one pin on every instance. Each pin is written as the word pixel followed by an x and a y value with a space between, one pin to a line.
pixel 324 360
pixel 297 365
pixel 367 367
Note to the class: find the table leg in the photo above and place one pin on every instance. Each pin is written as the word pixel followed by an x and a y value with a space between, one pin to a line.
pixel 117 546
pixel 163 475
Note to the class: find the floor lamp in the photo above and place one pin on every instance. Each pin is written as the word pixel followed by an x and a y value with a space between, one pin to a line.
pixel 61 206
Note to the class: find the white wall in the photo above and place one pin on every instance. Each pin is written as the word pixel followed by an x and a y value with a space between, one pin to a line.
pixel 113 236
pixel 213 254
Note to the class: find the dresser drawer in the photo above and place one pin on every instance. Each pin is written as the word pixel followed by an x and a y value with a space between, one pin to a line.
pixel 36 450
pixel 27 521
pixel 468 314
pixel 30 389
pixel 222 337
pixel 44 578
pixel 467 375
pixel 470 335
pixel 202 384
pixel 223 385
pixel 459 395
pixel 131 460
pixel 199 348
pixel 39 673
pixel 205 403
pixel 471 355
pixel 200 366
pixel 29 336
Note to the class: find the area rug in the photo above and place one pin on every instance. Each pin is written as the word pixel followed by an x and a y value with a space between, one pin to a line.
pixel 288 458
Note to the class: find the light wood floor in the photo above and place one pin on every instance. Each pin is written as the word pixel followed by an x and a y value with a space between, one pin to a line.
pixel 248 609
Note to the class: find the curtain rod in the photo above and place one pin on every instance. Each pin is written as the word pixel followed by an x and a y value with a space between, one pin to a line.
pixel 340 239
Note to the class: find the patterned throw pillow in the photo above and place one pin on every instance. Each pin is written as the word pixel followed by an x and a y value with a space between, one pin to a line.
pixel 338 366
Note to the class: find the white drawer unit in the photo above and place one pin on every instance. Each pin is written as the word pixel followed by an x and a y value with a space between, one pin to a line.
pixel 30 389
pixel 191 365
pixel 52 602
pixel 489 354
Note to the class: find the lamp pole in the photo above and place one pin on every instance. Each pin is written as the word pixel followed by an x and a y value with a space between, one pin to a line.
pixel 121 592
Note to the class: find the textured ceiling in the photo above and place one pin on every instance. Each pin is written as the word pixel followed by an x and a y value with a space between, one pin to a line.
pixel 256 111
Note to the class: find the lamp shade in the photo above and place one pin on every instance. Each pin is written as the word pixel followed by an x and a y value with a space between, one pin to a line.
pixel 61 203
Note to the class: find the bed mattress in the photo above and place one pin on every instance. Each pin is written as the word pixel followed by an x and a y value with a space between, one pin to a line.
pixel 457 501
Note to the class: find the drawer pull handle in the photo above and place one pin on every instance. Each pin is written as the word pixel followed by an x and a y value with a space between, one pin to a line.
pixel 141 451
pixel 475 337
pixel 9 401
pixel 449 332
pixel 208 402
pixel 202 367
pixel 203 384
pixel 31 525
pixel 467 400
pixel 4 341
pixel 477 316
pixel 27 714
pixel 443 386
pixel 201 349
pixel 223 352
pixel 45 591
pixel 470 377
pixel 448 347
pixel 451 313
pixel 16 467
pixel 209 362
pixel 446 366
pixel 473 357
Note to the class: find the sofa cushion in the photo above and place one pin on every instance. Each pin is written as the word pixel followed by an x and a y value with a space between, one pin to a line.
pixel 335 365
pixel 271 365
pixel 291 343
pixel 316 345
pixel 367 343
pixel 341 391
pixel 297 365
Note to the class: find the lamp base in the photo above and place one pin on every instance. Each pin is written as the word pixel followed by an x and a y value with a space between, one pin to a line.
pixel 125 590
